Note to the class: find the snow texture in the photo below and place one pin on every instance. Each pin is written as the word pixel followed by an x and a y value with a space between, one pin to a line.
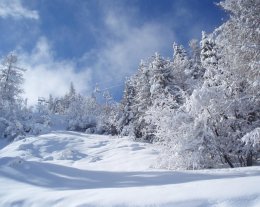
pixel 76 169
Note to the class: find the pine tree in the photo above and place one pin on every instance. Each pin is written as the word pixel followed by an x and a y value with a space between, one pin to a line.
pixel 197 71
pixel 135 101
pixel 209 59
pixel 69 97
pixel 126 109
pixel 11 79
pixel 181 66
pixel 13 108
pixel 107 121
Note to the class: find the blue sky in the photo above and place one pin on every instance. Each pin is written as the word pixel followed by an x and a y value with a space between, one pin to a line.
pixel 96 41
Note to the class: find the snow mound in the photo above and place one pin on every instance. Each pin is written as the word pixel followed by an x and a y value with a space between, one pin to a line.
pixel 69 154
pixel 76 169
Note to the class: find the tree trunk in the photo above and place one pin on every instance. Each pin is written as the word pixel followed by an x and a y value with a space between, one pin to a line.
pixel 249 159
pixel 228 161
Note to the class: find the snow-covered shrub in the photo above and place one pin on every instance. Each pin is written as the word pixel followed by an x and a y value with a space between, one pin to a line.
pixel 107 119
pixel 251 149
pixel 82 114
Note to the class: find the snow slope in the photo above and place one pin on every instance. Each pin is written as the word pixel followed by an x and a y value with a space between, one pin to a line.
pixel 74 169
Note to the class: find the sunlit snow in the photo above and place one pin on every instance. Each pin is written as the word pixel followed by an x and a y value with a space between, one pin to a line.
pixel 76 169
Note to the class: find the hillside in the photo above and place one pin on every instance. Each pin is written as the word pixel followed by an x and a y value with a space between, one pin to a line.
pixel 75 169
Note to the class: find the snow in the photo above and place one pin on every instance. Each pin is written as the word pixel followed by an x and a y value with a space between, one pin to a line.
pixel 252 137
pixel 77 169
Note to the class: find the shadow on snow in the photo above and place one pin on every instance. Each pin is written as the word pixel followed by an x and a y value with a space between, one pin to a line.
pixel 67 178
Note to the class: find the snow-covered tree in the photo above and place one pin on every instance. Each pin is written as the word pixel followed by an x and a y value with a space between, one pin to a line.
pixel 181 67
pixel 210 128
pixel 252 146
pixel 239 41
pixel 107 120
pixel 11 79
pixel 41 119
pixel 167 88
pixel 210 60
pixel 126 108
pixel 69 97
pixel 153 82
pixel 135 101
pixel 197 70
pixel 12 106
pixel 82 114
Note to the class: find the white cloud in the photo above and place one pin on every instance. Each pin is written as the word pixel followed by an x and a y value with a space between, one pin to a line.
pixel 45 75
pixel 15 9
pixel 125 43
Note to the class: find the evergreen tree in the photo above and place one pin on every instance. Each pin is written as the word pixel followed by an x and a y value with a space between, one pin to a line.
pixel 126 109
pixel 197 71
pixel 209 59
pixel 181 67
pixel 11 79
pixel 135 101
pixel 13 110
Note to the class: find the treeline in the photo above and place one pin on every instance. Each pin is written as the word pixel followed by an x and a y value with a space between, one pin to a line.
pixel 71 111
pixel 202 106
pixel 81 113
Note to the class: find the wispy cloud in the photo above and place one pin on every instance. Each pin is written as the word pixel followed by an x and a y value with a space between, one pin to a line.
pixel 15 9
pixel 124 42
pixel 45 75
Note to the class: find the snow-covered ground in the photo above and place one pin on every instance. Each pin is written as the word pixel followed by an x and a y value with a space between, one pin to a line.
pixel 74 169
